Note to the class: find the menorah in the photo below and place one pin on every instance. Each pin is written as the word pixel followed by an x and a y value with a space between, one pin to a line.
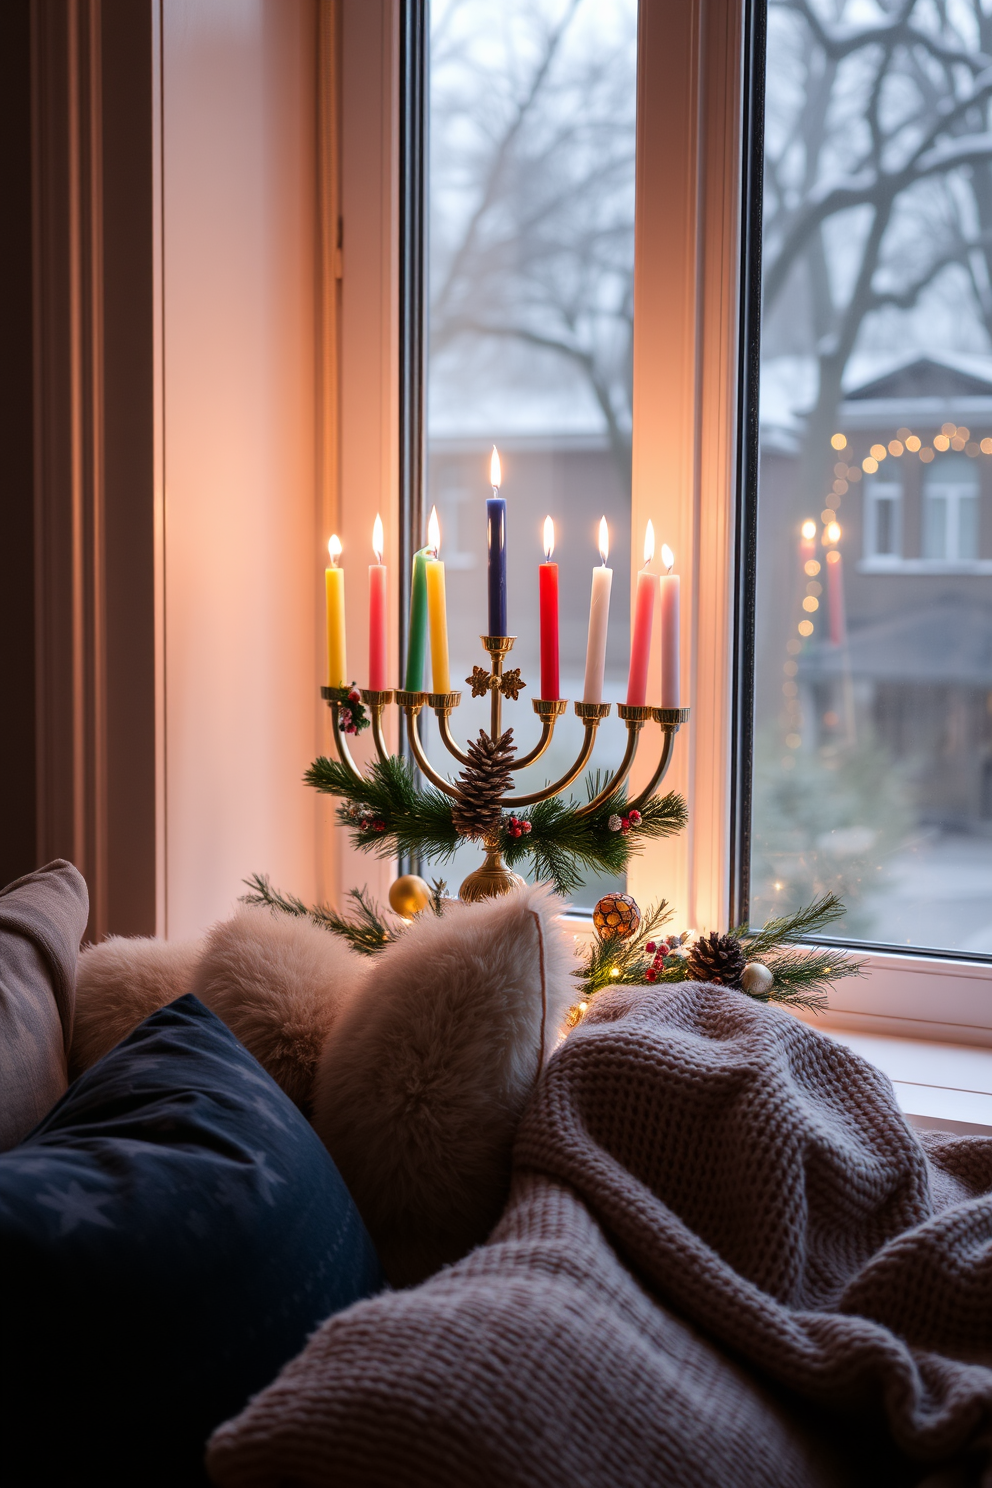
pixel 494 877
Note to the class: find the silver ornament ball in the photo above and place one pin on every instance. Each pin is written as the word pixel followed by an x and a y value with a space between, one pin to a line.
pixel 756 979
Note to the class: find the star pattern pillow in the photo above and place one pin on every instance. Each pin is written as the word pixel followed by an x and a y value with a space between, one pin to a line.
pixel 170 1235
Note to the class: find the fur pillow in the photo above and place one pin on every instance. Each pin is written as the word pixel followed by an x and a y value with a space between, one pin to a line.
pixel 120 983
pixel 420 1089
pixel 276 982
pixel 279 984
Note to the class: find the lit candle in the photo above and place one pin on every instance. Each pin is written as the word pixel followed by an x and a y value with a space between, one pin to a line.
pixel 548 594
pixel 496 519
pixel 334 584
pixel 835 589
pixel 599 616
pixel 416 649
pixel 671 687
pixel 436 609
pixel 640 640
pixel 378 610
pixel 807 547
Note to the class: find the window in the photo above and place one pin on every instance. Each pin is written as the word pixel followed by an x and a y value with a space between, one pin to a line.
pixel 950 511
pixel 883 519
pixel 873 665
pixel 530 325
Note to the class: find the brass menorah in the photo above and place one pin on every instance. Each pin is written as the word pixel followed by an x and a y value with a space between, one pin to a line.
pixel 494 877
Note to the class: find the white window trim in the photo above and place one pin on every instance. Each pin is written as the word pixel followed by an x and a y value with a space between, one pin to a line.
pixel 687 292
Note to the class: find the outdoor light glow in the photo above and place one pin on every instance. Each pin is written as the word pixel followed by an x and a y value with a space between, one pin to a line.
pixel 549 538
pixel 377 543
pixel 808 530
pixel 495 470
pixel 812 567
pixel 827 514
pixel 805 627
pixel 895 446
pixel 941 442
pixel 912 443
pixel 604 540
pixel 434 531
pixel 868 465
pixel 649 543
pixel 334 548
pixel 839 441
pixel 878 452
pixel 833 556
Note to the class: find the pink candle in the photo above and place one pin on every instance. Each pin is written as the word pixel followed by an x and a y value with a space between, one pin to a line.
pixel 671 686
pixel 640 639
pixel 548 593
pixel 378 610
pixel 835 589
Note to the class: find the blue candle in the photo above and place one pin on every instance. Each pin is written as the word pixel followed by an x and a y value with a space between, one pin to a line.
pixel 496 517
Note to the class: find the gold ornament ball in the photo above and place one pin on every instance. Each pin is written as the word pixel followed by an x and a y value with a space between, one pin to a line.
pixel 756 979
pixel 616 915
pixel 408 895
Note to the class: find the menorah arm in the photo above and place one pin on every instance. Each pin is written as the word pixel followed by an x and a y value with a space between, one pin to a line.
pixel 442 710
pixel 549 711
pixel 341 744
pixel 423 763
pixel 635 719
pixel 377 706
pixel 591 714
pixel 671 720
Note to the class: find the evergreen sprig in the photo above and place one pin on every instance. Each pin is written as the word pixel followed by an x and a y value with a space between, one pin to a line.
pixel 564 846
pixel 367 932
pixel 621 961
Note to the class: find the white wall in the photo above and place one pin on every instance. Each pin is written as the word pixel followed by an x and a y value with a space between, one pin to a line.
pixel 240 540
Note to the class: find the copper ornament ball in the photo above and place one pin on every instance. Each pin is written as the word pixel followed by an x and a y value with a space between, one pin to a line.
pixel 408 895
pixel 616 915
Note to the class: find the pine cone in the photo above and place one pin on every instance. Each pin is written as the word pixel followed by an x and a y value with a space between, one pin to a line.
pixel 716 958
pixel 483 783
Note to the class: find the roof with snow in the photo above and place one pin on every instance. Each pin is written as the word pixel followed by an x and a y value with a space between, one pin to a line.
pixel 924 377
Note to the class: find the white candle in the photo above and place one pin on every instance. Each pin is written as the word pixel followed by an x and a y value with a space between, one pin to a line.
pixel 599 617
pixel 671 687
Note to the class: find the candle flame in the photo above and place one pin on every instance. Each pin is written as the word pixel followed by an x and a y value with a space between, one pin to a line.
pixel 667 557
pixel 549 538
pixel 648 543
pixel 377 543
pixel 334 549
pixel 832 534
pixel 809 530
pixel 495 470
pixel 434 531
pixel 604 540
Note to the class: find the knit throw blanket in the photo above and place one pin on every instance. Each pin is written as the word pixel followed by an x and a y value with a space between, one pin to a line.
pixel 726 1260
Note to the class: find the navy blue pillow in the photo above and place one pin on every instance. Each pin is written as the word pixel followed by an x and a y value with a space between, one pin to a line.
pixel 170 1235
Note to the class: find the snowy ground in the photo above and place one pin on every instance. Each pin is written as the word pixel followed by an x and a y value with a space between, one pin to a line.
pixel 938 895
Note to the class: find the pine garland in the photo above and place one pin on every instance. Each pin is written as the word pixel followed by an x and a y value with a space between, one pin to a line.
pixel 800 978
pixel 389 815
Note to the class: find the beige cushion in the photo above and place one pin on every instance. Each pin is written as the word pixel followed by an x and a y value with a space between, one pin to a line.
pixel 42 919
pixel 424 1077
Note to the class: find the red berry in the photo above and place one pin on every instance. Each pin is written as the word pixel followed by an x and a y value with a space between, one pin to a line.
pixel 380 826
pixel 354 696
pixel 651 947
pixel 635 818
pixel 525 827
pixel 650 976
pixel 515 832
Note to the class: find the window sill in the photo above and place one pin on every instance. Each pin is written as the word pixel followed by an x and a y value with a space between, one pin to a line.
pixel 935 567
pixel 942 1087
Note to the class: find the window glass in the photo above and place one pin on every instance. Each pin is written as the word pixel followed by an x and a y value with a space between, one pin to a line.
pixel 531 261
pixel 873 684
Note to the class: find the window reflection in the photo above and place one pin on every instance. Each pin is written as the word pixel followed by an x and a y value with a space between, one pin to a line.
pixel 873 722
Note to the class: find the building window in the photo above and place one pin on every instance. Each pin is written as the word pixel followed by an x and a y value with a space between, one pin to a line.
pixel 872 730
pixel 530 273
pixel 950 511
pixel 883 519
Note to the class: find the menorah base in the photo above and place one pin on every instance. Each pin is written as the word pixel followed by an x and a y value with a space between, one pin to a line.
pixel 491 881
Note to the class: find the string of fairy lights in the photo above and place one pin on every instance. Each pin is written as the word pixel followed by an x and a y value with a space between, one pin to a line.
pixel 824 538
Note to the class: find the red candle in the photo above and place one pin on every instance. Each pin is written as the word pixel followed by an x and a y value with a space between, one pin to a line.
pixel 378 610
pixel 640 638
pixel 549 616
pixel 835 588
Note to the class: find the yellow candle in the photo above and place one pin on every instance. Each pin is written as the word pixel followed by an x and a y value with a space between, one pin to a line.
pixel 437 613
pixel 337 670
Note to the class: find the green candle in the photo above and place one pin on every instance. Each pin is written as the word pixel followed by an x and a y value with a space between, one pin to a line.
pixel 416 653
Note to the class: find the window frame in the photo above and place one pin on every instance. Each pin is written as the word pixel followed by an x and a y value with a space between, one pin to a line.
pixel 696 340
